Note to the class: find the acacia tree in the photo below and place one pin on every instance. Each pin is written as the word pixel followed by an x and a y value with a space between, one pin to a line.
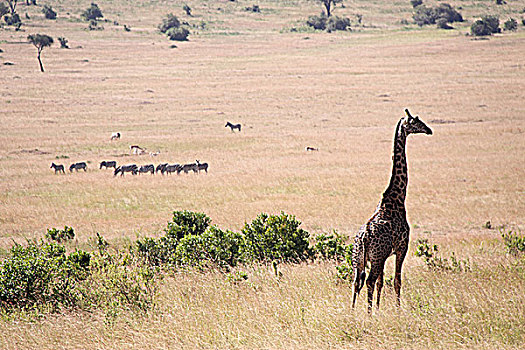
pixel 40 41
pixel 329 5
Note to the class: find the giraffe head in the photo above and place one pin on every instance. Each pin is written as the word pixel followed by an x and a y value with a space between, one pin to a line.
pixel 415 125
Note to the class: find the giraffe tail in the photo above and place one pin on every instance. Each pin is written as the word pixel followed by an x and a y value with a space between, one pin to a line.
pixel 358 262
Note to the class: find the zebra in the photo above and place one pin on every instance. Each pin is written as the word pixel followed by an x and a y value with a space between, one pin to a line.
pixel 187 167
pixel 233 126
pixel 108 164
pixel 58 168
pixel 115 136
pixel 76 166
pixel 130 168
pixel 150 168
pixel 171 169
pixel 203 166
pixel 161 167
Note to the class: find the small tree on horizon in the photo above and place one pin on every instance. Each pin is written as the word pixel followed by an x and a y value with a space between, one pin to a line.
pixel 40 41
pixel 329 5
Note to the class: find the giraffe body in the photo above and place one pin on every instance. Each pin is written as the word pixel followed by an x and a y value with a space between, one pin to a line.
pixel 387 231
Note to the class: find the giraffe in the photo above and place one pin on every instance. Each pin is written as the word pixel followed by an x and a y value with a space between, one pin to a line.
pixel 387 231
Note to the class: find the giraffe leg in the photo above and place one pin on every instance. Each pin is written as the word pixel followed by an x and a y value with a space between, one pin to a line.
pixel 379 285
pixel 375 271
pixel 397 279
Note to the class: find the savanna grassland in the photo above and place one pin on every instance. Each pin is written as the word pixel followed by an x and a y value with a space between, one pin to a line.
pixel 290 87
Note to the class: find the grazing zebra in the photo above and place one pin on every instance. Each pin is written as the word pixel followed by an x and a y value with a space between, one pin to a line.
pixel 308 148
pixel 58 168
pixel 233 126
pixel 187 167
pixel 150 168
pixel 171 169
pixel 130 168
pixel 161 167
pixel 137 149
pixel 115 136
pixel 108 164
pixel 203 166
pixel 76 166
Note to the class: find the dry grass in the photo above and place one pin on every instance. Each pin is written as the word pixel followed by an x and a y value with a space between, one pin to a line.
pixel 341 92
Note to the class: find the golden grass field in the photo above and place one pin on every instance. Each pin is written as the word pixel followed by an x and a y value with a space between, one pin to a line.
pixel 341 92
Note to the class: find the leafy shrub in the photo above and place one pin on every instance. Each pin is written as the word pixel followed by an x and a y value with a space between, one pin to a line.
pixel 41 274
pixel 171 21
pixel 178 34
pixel 514 242
pixel 485 26
pixel 317 22
pixel 278 237
pixel 59 236
pixel 48 12
pixel 236 277
pixel 329 246
pixel 345 271
pixel 337 23
pixel 511 25
pixel 416 3
pixel 428 253
pixel 92 13
pixel 443 24
pixel 119 282
pixel 430 15
pixel 186 223
pixel 214 247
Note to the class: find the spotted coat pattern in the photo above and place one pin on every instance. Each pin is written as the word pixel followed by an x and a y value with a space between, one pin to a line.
pixel 387 231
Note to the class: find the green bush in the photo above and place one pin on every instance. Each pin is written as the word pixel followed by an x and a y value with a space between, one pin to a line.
pixel 511 25
pixel 317 22
pixel 67 234
pixel 48 12
pixel 178 34
pixel 92 13
pixel 215 247
pixel 187 223
pixel 514 242
pixel 345 271
pixel 171 21
pixel 430 15
pixel 337 23
pixel 487 25
pixel 429 254
pixel 329 246
pixel 278 237
pixel 40 275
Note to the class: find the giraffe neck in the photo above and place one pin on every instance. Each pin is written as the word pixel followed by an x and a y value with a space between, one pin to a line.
pixel 395 194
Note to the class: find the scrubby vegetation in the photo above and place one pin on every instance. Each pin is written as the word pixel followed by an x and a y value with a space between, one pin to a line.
pixel 442 14
pixel 487 25
pixel 329 24
pixel 41 275
pixel 92 13
pixel 172 27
